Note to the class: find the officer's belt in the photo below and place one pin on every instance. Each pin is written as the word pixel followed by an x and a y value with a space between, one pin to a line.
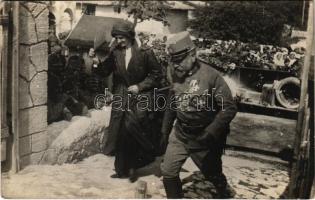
pixel 191 128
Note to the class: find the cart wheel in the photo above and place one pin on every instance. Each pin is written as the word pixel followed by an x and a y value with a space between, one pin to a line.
pixel 288 92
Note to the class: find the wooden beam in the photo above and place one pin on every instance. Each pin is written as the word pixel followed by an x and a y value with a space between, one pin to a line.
pixel 312 196
pixel 4 76
pixel 303 13
pixel 294 175
pixel 303 156
pixel 4 20
pixel 5 60
pixel 15 167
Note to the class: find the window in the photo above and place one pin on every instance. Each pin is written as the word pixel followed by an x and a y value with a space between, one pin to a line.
pixel 65 22
pixel 88 9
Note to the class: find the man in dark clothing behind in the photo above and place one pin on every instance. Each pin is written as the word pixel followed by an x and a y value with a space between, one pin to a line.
pixel 202 106
pixel 62 88
pixel 91 83
pixel 56 67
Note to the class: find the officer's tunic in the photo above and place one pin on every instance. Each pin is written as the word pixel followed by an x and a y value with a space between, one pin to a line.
pixel 201 103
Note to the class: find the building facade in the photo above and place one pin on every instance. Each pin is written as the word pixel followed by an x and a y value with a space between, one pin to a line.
pixel 67 13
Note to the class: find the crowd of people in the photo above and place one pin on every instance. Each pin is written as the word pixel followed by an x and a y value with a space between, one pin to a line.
pixel 228 55
pixel 72 81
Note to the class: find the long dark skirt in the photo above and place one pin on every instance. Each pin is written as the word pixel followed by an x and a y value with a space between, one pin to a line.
pixel 133 148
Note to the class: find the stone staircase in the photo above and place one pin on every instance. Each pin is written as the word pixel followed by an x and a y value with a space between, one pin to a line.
pixel 70 142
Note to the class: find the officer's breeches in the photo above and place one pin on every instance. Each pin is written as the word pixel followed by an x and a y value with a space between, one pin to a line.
pixel 207 160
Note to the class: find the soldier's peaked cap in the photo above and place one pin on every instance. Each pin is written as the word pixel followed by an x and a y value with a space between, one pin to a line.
pixel 179 45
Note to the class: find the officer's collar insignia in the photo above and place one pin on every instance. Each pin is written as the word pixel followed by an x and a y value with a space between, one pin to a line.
pixel 194 69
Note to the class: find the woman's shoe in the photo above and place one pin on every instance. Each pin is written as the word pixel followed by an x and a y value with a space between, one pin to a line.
pixel 132 176
pixel 118 176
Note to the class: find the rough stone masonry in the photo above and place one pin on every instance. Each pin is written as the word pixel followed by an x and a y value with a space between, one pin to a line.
pixel 33 36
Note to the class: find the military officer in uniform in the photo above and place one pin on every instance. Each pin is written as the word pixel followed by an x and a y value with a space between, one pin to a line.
pixel 201 108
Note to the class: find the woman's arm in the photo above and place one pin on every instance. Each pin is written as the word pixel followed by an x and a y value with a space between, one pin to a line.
pixel 155 72
pixel 106 66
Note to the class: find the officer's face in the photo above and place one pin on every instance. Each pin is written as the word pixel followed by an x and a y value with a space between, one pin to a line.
pixel 122 41
pixel 184 66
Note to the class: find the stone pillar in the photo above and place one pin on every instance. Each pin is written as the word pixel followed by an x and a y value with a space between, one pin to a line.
pixel 33 81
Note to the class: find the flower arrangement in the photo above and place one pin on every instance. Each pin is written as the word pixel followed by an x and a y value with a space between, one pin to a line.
pixel 228 55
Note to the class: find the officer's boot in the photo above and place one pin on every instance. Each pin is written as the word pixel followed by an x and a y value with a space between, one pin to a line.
pixel 173 188
pixel 224 190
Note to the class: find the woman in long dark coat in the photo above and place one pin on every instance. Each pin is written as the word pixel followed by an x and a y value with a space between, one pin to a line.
pixel 136 71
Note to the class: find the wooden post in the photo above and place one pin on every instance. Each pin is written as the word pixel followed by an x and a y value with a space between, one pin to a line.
pixel 268 95
pixel 303 13
pixel 4 21
pixel 302 165
pixel 15 89
pixel 294 174
pixel 141 190
pixel 312 196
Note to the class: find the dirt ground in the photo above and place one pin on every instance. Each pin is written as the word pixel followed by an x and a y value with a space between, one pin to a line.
pixel 251 177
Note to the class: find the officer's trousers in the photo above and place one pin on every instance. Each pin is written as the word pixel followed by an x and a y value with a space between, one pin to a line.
pixel 207 158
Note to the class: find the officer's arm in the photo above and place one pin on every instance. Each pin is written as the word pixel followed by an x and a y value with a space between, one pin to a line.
pixel 169 116
pixel 154 73
pixel 226 108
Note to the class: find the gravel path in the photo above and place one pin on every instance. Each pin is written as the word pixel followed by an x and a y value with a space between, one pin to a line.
pixel 90 179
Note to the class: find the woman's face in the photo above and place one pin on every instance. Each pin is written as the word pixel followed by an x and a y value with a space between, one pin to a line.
pixel 122 41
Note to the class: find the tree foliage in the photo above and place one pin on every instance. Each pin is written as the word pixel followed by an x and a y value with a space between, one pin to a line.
pixel 142 10
pixel 247 21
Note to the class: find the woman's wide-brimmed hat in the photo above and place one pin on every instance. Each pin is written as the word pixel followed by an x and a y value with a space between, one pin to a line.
pixel 124 28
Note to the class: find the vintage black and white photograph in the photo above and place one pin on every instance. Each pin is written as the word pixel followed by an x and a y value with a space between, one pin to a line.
pixel 143 99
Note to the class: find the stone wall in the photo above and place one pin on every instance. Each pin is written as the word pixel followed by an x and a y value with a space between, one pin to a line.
pixel 33 82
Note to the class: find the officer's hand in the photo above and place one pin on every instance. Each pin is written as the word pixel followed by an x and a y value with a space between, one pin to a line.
pixel 163 143
pixel 204 138
pixel 134 89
